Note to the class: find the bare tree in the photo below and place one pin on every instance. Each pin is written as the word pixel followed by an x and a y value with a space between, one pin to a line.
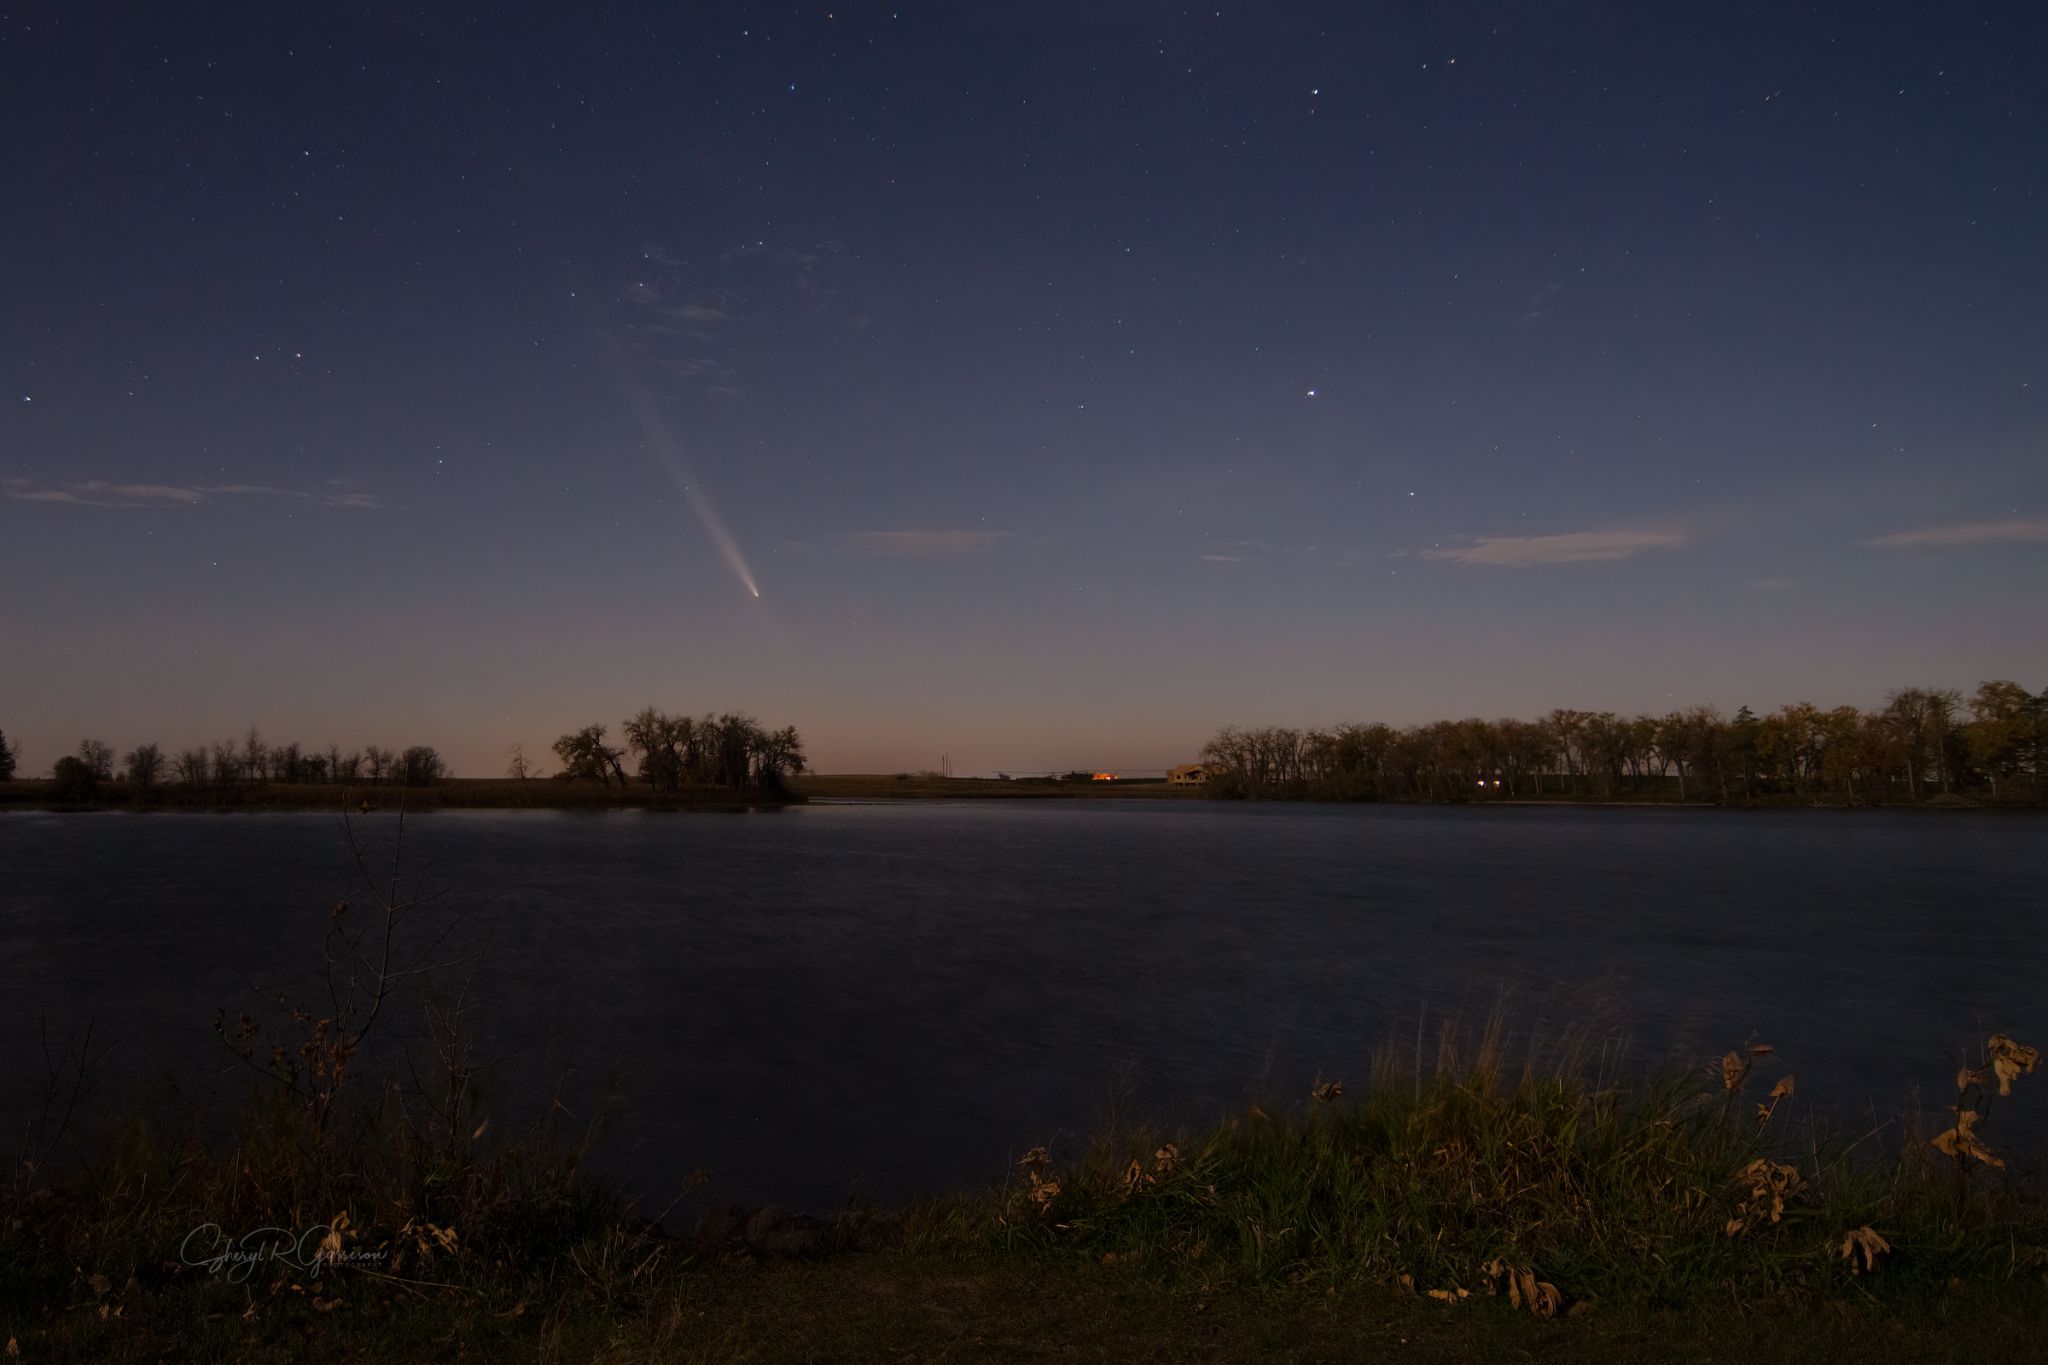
pixel 421 766
pixel 227 763
pixel 255 758
pixel 192 767
pixel 145 763
pixel 97 758
pixel 587 758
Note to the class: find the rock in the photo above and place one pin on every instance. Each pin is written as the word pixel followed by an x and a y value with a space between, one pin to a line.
pixel 721 1229
pixel 784 1234
pixel 779 1232
pixel 865 1231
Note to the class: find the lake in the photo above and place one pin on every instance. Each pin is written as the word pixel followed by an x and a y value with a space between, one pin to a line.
pixel 894 997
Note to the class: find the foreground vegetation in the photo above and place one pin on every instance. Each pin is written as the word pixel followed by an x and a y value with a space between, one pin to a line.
pixel 1469 1204
pixel 1919 746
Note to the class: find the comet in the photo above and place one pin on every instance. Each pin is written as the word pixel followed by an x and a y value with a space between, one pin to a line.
pixel 677 463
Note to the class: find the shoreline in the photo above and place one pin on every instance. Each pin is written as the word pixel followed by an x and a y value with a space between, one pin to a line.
pixel 856 788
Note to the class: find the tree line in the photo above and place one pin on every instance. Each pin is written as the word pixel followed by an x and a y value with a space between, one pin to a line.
pixel 671 753
pixel 229 764
pixel 1923 742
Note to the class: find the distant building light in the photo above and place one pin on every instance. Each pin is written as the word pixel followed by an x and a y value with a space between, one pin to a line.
pixel 1105 777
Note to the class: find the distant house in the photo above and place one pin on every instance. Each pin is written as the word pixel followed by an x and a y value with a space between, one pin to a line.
pixel 1187 775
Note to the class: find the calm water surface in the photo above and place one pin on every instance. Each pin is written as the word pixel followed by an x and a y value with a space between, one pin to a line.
pixel 890 997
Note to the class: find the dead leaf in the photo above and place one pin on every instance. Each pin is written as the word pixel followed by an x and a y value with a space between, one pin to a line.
pixel 1783 1089
pixel 1770 1184
pixel 1866 1245
pixel 1733 1069
pixel 1167 1158
pixel 1328 1091
pixel 1524 1290
pixel 1037 1156
pixel 1961 1141
pixel 2010 1060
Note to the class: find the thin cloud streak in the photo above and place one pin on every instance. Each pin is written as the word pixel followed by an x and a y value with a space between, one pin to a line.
pixel 101 493
pixel 1975 533
pixel 928 542
pixel 1576 547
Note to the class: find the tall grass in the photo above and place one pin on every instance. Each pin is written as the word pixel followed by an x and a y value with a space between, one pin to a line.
pixel 1472 1171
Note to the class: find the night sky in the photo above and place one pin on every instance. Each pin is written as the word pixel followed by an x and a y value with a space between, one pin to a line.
pixel 1067 379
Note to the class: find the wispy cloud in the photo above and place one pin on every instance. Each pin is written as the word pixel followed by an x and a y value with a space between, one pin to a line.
pixel 1973 533
pixel 102 493
pixel 928 542
pixel 707 321
pixel 1577 547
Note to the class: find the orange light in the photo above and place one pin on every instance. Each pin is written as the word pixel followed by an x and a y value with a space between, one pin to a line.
pixel 1105 777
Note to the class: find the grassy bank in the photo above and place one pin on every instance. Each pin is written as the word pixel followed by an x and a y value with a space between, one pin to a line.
pixel 1540 1207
